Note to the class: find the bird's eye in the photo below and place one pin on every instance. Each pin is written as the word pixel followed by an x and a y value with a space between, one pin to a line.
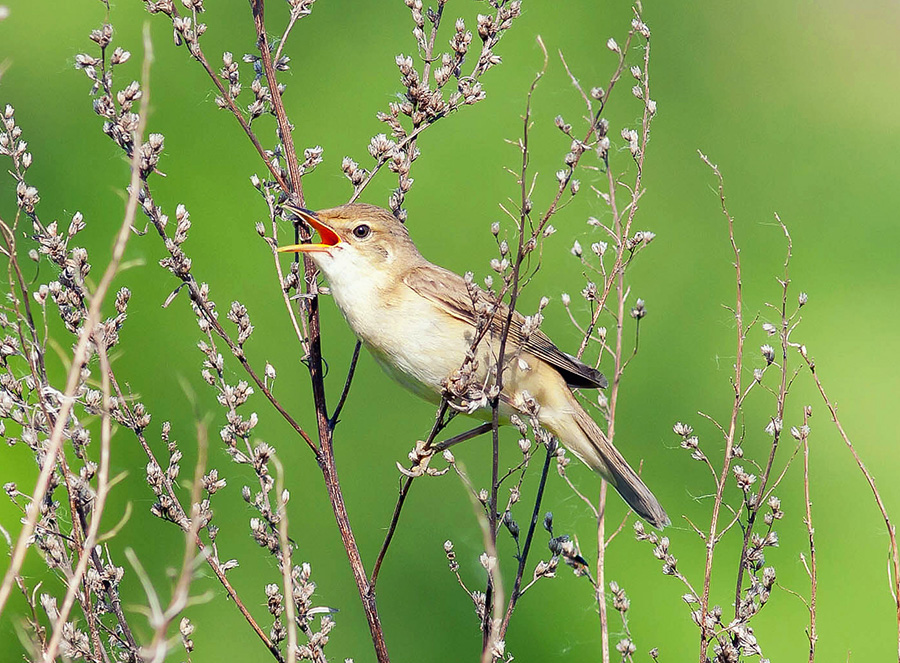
pixel 361 231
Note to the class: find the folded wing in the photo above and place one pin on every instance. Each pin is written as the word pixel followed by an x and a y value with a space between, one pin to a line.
pixel 448 291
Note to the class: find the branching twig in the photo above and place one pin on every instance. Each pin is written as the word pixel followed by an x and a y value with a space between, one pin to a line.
pixel 524 217
pixel 161 619
pixel 285 561
pixel 784 336
pixel 523 555
pixel 705 634
pixel 891 528
pixel 812 569
pixel 326 450
pixel 79 358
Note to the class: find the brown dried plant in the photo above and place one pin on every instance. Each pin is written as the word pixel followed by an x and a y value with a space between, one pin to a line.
pixel 53 420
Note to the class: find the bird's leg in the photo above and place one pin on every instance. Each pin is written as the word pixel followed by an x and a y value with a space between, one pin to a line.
pixel 333 420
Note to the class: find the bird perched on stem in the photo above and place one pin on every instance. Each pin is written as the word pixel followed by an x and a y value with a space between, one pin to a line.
pixel 419 321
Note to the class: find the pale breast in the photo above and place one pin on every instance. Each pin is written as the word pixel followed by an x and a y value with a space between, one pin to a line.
pixel 414 342
pixel 418 344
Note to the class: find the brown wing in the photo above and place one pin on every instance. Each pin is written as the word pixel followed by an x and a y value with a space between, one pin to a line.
pixel 448 290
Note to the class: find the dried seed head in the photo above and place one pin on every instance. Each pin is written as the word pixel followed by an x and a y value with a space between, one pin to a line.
pixel 102 36
pixel 682 429
pixel 638 311
pixel 548 522
pixel 626 647
pixel 186 628
pixel 744 479
pixel 641 28
pixel 562 125
pixel 590 291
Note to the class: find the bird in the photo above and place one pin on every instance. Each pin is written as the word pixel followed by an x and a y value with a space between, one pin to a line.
pixel 418 320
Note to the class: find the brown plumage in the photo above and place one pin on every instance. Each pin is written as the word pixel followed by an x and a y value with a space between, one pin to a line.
pixel 418 320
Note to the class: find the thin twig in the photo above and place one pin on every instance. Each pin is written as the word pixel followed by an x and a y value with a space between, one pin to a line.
pixel 297 12
pixel 781 397
pixel 437 427
pixel 523 556
pixel 395 518
pixel 481 429
pixel 197 53
pixel 302 337
pixel 99 502
pixel 326 449
pixel 600 591
pixel 524 217
pixel 632 208
pixel 285 562
pixel 162 619
pixel 705 634
pixel 891 528
pixel 810 530
pixel 80 355
pixel 614 279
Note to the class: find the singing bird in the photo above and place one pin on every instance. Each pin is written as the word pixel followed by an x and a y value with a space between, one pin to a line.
pixel 418 321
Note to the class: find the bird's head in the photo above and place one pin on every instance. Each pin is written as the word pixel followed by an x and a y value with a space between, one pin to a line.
pixel 358 239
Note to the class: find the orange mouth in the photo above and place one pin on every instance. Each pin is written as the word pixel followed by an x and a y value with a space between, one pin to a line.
pixel 329 238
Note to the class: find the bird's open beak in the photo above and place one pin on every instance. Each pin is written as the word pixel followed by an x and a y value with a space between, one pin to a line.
pixel 329 237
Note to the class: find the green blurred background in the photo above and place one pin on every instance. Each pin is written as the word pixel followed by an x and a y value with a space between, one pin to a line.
pixel 796 101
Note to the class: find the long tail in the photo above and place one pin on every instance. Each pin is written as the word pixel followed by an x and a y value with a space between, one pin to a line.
pixel 584 438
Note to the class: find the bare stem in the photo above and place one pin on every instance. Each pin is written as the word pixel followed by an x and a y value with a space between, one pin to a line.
pixel 524 216
pixel 80 356
pixel 437 427
pixel 285 561
pixel 705 634
pixel 891 528
pixel 601 572
pixel 161 619
pixel 326 450
pixel 810 530
pixel 523 556
pixel 779 413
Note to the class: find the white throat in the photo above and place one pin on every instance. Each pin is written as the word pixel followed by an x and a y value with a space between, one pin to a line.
pixel 356 284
